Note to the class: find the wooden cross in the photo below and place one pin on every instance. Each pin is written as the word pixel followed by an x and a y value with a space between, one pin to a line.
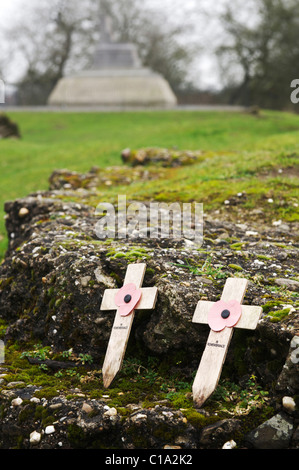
pixel 222 317
pixel 130 298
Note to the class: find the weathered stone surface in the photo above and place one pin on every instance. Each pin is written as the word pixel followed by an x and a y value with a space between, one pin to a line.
pixel 275 433
pixel 218 433
pixel 51 286
pixel 165 157
pixel 81 424
pixel 8 129
pixel 288 380
pixel 289 284
pixel 56 271
pixel 66 179
pixel 148 428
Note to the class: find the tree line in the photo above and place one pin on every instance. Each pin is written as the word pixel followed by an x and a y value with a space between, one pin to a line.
pixel 257 57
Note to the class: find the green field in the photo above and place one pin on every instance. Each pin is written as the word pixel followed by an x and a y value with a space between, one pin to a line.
pixel 244 153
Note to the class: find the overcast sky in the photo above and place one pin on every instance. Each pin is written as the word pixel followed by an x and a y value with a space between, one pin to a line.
pixel 208 30
pixel 8 10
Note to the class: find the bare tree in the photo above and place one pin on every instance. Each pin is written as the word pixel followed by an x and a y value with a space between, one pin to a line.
pixel 265 51
pixel 67 32
pixel 47 51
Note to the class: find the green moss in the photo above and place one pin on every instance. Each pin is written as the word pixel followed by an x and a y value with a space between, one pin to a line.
pixel 123 412
pixel 98 440
pixel 138 437
pixel 275 315
pixel 47 392
pixel 76 437
pixel 237 246
pixel 143 379
pixel 278 315
pixel 168 434
pixel 150 271
pixel 52 303
pixel 94 393
pixel 269 305
pixel 235 267
pixel 3 328
pixel 252 421
pixel 130 255
pixel 6 282
pixel 197 419
pixel 27 412
pixel 58 302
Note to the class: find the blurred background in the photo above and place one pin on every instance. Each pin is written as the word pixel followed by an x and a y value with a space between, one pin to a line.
pixel 226 52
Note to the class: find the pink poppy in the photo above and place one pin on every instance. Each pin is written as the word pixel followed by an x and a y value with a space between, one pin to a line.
pixel 127 298
pixel 224 314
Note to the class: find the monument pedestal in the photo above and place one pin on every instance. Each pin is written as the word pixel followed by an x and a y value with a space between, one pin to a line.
pixel 116 79
pixel 115 88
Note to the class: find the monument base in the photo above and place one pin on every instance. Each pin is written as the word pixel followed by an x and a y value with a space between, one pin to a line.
pixel 122 88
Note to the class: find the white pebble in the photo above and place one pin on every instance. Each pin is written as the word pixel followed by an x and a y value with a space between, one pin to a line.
pixel 49 430
pixel 23 212
pixel 250 233
pixel 111 412
pixel 141 416
pixel 35 400
pixel 229 445
pixel 288 403
pixel 35 437
pixel 17 401
pixel 258 262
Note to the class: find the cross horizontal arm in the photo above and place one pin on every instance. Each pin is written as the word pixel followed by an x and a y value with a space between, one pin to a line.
pixel 147 301
pixel 249 319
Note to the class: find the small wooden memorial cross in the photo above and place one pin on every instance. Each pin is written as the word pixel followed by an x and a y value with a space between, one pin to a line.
pixel 221 316
pixel 125 300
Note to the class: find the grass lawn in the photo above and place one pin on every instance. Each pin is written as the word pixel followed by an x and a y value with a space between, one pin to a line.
pixel 242 149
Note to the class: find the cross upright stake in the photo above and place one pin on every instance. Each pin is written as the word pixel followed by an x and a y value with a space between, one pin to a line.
pixel 222 316
pixel 125 300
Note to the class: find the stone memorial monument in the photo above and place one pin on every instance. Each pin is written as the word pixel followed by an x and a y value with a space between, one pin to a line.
pixel 115 79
